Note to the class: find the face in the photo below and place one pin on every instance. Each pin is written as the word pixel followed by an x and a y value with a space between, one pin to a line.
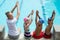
pixel 27 21
pixel 50 21
pixel 10 16
pixel 39 24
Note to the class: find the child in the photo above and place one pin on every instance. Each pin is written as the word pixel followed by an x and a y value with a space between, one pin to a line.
pixel 47 33
pixel 37 34
pixel 27 23
pixel 13 32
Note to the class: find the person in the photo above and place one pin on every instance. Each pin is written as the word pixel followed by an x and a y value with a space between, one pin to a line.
pixel 37 34
pixel 27 22
pixel 48 33
pixel 13 32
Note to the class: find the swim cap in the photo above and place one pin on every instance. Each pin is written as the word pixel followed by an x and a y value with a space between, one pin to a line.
pixel 41 21
pixel 25 19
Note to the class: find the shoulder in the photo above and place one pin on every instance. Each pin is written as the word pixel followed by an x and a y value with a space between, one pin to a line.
pixel 12 20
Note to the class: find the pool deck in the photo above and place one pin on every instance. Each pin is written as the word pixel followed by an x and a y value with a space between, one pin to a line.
pixel 21 37
pixel 55 36
pixel 4 35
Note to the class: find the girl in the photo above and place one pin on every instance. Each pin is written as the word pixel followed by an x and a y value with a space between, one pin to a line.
pixel 27 23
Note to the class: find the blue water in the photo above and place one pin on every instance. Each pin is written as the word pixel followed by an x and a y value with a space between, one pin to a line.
pixel 25 9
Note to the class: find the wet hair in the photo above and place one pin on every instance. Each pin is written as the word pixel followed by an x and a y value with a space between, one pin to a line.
pixel 7 13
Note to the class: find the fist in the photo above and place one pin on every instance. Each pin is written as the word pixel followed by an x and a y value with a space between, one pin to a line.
pixel 32 12
pixel 37 12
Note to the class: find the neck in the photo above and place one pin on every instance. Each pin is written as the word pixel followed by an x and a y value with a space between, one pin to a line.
pixel 10 18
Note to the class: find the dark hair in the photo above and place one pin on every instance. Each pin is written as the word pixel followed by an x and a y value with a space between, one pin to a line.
pixel 7 13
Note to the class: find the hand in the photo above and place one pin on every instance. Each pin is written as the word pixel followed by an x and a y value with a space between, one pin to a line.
pixel 53 15
pixel 50 21
pixel 17 3
pixel 32 12
pixel 37 12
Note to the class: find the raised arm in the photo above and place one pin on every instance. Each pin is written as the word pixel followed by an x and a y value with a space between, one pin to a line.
pixel 18 11
pixel 50 24
pixel 50 20
pixel 14 8
pixel 53 15
pixel 30 13
pixel 31 18
pixel 36 16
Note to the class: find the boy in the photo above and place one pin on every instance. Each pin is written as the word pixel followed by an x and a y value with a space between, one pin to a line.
pixel 37 34
pixel 47 33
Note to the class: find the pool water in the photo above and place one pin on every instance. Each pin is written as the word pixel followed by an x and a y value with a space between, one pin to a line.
pixel 25 8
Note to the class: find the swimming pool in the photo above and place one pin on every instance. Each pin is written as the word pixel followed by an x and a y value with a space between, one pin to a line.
pixel 25 9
